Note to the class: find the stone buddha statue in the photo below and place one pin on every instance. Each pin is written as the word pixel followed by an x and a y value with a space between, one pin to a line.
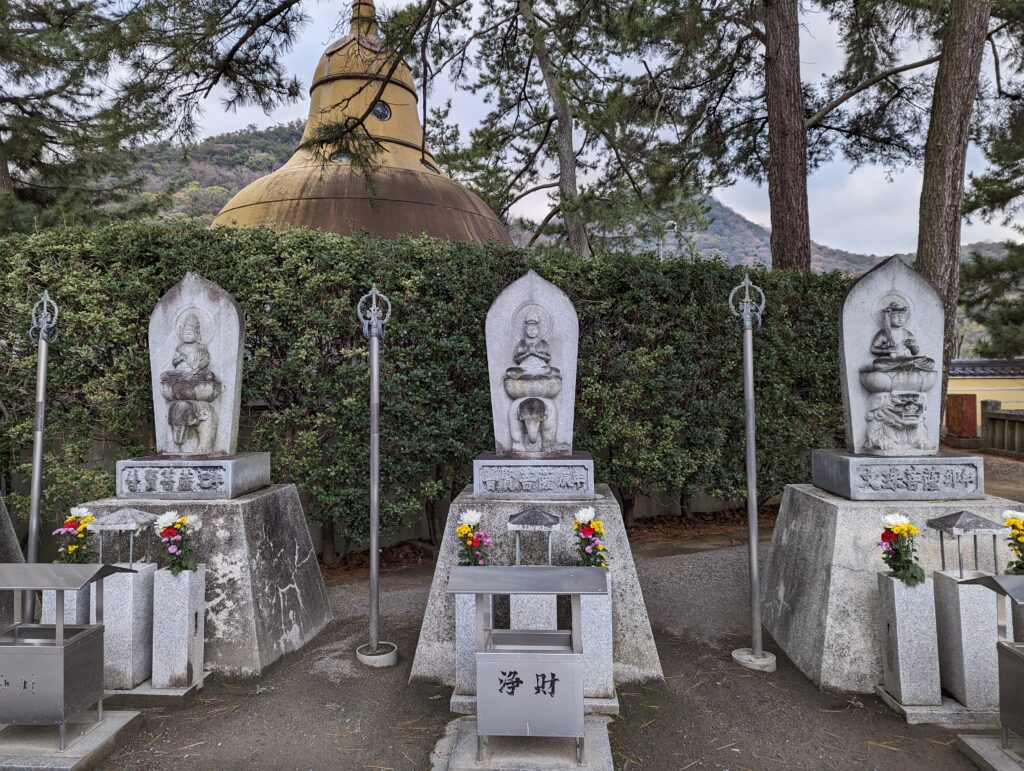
pixel 189 388
pixel 897 381
pixel 532 384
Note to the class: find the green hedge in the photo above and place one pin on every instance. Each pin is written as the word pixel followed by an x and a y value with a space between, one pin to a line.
pixel 659 396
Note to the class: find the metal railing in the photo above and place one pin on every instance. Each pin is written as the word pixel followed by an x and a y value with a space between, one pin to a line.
pixel 1002 431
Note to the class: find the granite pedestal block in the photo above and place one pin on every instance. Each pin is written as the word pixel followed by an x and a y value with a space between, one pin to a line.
pixel 76 606
pixel 168 477
pixel 127 626
pixel 265 596
pixel 1018 621
pixel 533 611
pixel 596 619
pixel 635 656
pixel 922 478
pixel 10 551
pixel 911 662
pixel 570 477
pixel 820 593
pixel 968 633
pixel 179 619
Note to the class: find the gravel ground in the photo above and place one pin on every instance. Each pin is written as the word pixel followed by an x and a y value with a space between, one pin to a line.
pixel 319 709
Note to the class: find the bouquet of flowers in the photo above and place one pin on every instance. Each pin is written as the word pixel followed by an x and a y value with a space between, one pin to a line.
pixel 176 535
pixel 473 543
pixel 1015 521
pixel 73 536
pixel 590 547
pixel 899 553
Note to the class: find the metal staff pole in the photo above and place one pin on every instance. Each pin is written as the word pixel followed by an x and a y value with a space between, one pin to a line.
pixel 374 311
pixel 43 331
pixel 748 311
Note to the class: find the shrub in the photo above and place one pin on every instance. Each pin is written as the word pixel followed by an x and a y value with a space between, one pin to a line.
pixel 659 393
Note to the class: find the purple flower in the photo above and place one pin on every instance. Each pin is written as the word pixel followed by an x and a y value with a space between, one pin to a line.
pixel 164 540
pixel 176 538
pixel 589 550
pixel 172 549
pixel 481 562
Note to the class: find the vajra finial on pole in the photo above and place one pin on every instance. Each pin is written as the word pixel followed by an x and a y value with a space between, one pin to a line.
pixel 748 309
pixel 376 315
pixel 44 320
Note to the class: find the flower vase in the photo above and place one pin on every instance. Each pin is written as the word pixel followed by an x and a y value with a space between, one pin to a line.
pixel 911 655
pixel 179 619
pixel 76 607
pixel 127 625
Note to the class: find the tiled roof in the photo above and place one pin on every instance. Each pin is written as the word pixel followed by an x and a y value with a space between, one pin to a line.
pixel 986 368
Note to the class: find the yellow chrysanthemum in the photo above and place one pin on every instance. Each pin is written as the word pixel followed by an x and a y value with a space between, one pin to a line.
pixel 463 530
pixel 72 547
pixel 80 535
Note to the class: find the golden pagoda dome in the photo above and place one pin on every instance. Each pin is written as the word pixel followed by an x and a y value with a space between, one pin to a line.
pixel 406 191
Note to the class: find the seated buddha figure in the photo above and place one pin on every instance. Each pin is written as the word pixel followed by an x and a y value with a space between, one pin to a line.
pixel 532 385
pixel 897 382
pixel 189 387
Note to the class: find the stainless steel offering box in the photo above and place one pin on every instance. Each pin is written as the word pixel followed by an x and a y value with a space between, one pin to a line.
pixel 529 682
pixel 50 673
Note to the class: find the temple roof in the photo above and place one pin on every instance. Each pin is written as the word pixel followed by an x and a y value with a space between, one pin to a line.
pixel 407 191
pixel 986 368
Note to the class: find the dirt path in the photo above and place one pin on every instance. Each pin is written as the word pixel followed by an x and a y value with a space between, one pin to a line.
pixel 319 709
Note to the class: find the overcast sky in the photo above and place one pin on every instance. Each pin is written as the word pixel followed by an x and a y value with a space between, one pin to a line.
pixel 858 210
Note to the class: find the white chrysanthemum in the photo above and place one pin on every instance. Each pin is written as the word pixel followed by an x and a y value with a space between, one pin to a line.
pixel 585 514
pixel 80 511
pixel 1011 514
pixel 165 520
pixel 470 517
pixel 895 519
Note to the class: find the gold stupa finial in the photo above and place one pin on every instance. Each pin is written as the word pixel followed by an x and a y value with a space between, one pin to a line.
pixel 364 18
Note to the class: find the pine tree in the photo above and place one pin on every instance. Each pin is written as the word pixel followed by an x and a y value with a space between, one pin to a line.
pixel 86 82
pixel 992 292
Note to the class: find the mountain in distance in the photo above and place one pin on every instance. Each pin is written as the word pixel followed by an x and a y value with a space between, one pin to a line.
pixel 200 180
pixel 739 241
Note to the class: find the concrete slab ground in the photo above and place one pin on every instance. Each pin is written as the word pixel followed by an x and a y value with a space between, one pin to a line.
pixel 987 753
pixel 87 742
pixel 146 695
pixel 456 751
pixel 320 709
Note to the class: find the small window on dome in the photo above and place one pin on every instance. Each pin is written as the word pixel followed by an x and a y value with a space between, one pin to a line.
pixel 381 110
pixel 341 157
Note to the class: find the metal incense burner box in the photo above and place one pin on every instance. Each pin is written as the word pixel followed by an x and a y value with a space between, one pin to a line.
pixel 528 682
pixel 50 673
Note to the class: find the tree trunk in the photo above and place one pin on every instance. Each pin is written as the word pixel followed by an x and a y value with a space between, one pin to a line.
pixel 787 137
pixel 567 187
pixel 945 153
pixel 6 183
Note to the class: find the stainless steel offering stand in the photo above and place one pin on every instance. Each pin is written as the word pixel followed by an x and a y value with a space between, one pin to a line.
pixel 374 312
pixel 43 331
pixel 748 311
pixel 963 523
pixel 1011 658
pixel 529 682
pixel 52 671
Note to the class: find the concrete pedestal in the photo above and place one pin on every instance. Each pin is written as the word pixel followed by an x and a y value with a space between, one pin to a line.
pixel 76 606
pixel 127 626
pixel 265 596
pixel 179 620
pixel 911 662
pixel 634 653
pixel 968 633
pixel 820 597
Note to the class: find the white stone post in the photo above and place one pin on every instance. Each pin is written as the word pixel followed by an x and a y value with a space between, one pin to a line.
pixel 179 617
pixel 127 626
pixel 911 661
pixel 968 632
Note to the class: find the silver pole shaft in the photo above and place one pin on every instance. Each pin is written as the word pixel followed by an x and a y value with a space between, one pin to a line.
pixel 374 492
pixel 748 404
pixel 37 469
